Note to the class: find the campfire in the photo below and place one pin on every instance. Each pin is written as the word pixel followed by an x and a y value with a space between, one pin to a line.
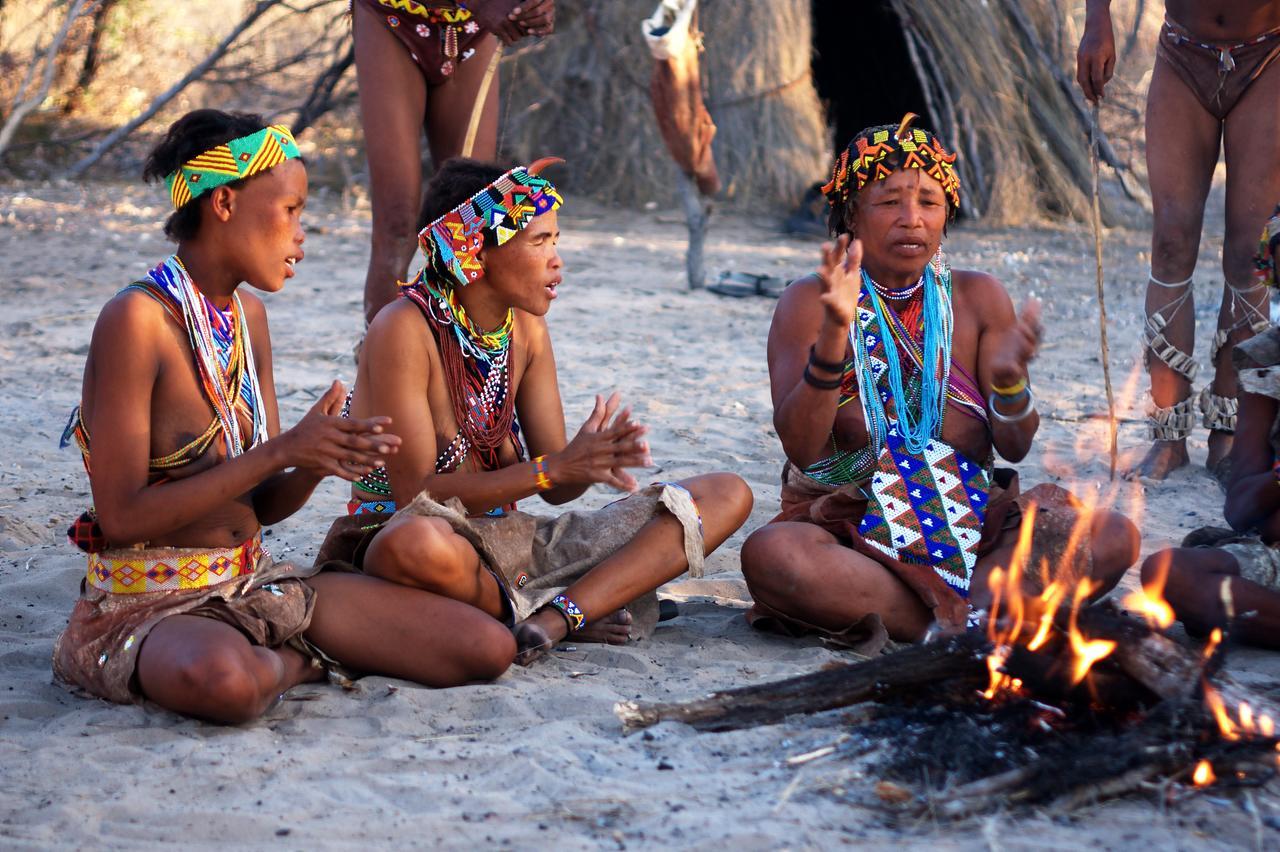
pixel 1056 702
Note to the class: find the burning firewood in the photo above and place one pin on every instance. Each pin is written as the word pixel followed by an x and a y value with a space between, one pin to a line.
pixel 1080 703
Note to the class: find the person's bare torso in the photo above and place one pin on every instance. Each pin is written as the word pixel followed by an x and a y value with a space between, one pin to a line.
pixel 180 412
pixel 439 399
pixel 1224 20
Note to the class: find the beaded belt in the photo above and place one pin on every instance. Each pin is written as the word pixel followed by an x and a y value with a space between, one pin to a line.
pixel 124 572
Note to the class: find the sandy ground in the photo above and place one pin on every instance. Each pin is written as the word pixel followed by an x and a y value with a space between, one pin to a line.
pixel 537 757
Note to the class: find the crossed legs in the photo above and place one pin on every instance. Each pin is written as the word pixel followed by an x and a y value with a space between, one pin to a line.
pixel 803 571
pixel 426 553
pixel 204 668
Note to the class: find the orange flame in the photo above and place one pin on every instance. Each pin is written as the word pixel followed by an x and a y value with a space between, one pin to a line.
pixel 1215 639
pixel 1226 727
pixel 1048 603
pixel 1203 775
pixel 1149 601
pixel 1086 651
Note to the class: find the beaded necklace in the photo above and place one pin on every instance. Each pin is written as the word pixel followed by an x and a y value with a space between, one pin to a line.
pixel 224 355
pixel 477 369
pixel 917 425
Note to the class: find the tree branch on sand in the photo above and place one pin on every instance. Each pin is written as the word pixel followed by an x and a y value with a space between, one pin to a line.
pixel 259 9
pixel 24 104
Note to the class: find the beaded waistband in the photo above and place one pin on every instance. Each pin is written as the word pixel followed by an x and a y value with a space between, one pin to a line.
pixel 371 507
pixel 125 572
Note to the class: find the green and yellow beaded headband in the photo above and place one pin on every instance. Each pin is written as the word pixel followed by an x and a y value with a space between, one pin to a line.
pixel 234 160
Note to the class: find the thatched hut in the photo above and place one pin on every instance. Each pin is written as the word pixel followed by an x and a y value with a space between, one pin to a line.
pixel 987 75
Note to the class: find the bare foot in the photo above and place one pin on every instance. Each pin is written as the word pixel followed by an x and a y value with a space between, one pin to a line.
pixel 1162 459
pixel 542 631
pixel 538 634
pixel 1219 462
pixel 613 629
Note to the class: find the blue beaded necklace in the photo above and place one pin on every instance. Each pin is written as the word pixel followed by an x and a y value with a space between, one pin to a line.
pixel 917 426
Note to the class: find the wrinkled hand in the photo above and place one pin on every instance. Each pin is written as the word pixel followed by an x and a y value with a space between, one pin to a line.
pixel 497 16
pixel 1096 59
pixel 841 274
pixel 608 443
pixel 535 17
pixel 324 443
pixel 1017 346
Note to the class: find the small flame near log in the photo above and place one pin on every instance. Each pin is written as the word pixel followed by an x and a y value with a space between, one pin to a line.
pixel 1203 775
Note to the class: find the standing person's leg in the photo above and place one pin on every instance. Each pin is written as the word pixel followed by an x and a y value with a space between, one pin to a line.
pixel 393 102
pixel 1251 141
pixel 450 105
pixel 1182 151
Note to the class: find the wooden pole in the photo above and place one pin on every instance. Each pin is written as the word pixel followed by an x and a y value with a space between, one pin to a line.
pixel 1102 301
pixel 477 109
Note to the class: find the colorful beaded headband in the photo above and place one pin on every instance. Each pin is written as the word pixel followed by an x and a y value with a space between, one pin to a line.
pixel 239 158
pixel 864 161
pixel 504 207
pixel 1268 249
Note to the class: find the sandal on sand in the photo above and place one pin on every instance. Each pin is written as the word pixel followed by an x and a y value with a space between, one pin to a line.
pixel 667 609
pixel 739 285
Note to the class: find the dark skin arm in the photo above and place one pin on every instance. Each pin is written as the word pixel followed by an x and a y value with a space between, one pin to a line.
pixel 1007 345
pixel 1253 497
pixel 1096 56
pixel 814 311
pixel 401 354
pixel 123 382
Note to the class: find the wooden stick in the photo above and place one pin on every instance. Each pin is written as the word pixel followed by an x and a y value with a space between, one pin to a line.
pixel 477 109
pixel 1102 300
pixel 959 658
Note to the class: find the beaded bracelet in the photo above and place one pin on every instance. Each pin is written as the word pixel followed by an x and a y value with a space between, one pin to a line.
pixel 821 384
pixel 540 473
pixel 573 616
pixel 1014 389
pixel 1275 470
pixel 828 366
pixel 1013 418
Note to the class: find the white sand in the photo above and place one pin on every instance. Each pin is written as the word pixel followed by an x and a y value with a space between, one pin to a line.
pixel 537 757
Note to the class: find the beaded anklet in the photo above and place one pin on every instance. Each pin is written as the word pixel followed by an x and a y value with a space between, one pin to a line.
pixel 572 615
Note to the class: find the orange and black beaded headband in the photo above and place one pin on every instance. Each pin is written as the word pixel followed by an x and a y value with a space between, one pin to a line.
pixel 239 158
pixel 868 156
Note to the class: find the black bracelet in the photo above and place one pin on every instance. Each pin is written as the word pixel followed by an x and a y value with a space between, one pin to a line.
pixel 821 384
pixel 828 366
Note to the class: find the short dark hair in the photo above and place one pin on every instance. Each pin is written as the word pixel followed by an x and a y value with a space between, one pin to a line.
pixel 457 179
pixel 188 137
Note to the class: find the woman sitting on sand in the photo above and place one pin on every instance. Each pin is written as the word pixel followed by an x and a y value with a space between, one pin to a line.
pixel 463 364
pixel 894 379
pixel 181 604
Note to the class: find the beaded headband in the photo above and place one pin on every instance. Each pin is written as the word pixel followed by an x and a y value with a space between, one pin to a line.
pixel 504 208
pixel 239 158
pixel 1268 249
pixel 864 161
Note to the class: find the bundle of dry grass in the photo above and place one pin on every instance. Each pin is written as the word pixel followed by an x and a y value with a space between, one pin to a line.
pixel 584 95
pixel 999 94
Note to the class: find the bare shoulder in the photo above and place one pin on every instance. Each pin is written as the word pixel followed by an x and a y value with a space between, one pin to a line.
pixel 981 293
pixel 799 299
pixel 132 314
